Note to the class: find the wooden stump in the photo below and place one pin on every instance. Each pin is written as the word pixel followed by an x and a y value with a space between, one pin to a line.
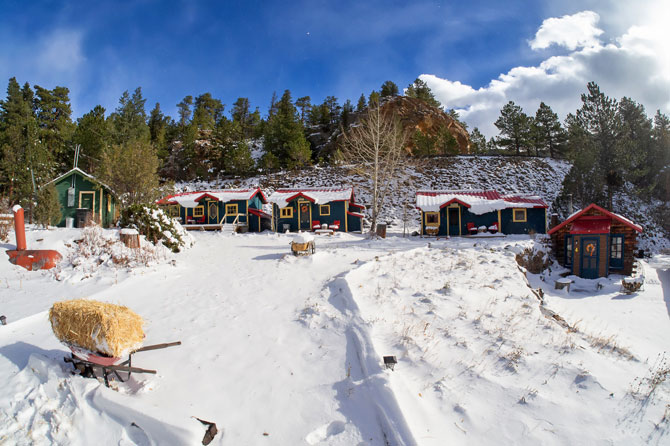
pixel 130 238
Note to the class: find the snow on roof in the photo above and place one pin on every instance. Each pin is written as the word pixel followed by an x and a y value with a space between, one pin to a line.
pixel 281 197
pixel 191 199
pixel 84 174
pixel 477 201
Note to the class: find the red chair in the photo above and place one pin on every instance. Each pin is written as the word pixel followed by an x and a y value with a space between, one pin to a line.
pixel 335 226
pixel 493 228
pixel 472 229
pixel 316 224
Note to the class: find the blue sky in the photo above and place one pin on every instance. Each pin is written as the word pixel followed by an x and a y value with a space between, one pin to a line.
pixel 98 49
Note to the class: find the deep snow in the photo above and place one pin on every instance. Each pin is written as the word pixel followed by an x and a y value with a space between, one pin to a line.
pixel 287 350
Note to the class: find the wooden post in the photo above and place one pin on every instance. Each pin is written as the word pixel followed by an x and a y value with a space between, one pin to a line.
pixel 130 238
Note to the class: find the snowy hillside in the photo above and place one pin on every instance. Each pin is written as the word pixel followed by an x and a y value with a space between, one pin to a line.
pixel 287 350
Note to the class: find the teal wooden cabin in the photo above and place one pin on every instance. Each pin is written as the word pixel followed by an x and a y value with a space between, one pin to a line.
pixel 471 212
pixel 78 191
pixel 241 209
pixel 316 209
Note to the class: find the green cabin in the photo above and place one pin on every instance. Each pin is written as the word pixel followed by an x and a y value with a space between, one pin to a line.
pixel 240 209
pixel 83 198
pixel 316 209
pixel 480 212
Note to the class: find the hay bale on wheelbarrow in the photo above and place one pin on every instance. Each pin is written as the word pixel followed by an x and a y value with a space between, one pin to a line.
pixel 303 244
pixel 112 330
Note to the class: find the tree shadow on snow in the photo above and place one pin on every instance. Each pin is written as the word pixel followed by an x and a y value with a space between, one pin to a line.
pixel 19 352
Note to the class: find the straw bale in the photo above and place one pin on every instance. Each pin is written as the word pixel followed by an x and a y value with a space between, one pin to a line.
pixel 100 327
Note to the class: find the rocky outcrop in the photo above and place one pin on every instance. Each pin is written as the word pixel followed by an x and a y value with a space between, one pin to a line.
pixel 416 114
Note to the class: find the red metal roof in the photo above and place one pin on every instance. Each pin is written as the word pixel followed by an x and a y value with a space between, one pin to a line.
pixel 206 193
pixel 607 213
pixel 591 226
pixel 537 201
pixel 259 213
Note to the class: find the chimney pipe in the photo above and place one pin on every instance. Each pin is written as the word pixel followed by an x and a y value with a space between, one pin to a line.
pixel 570 211
pixel 19 228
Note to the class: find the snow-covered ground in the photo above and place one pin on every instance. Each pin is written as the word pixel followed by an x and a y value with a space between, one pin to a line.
pixel 287 350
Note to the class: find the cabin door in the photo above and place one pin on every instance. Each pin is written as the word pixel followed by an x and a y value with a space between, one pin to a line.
pixel 454 221
pixel 213 212
pixel 305 210
pixel 589 257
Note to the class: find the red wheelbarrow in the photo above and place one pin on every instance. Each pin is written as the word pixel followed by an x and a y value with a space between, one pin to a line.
pixel 88 363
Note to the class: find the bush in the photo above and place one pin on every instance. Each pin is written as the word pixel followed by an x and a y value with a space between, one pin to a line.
pixel 535 261
pixel 156 226
pixel 48 210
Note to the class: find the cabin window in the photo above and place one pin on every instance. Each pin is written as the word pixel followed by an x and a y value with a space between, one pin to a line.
pixel 199 211
pixel 616 251
pixel 70 197
pixel 432 219
pixel 568 250
pixel 173 211
pixel 231 209
pixel 519 215
pixel 286 212
pixel 324 209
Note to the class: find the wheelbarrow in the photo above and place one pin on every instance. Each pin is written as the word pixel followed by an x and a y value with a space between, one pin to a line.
pixel 88 363
pixel 302 249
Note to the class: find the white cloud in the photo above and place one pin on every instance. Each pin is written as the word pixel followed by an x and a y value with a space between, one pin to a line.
pixel 636 64
pixel 60 51
pixel 570 31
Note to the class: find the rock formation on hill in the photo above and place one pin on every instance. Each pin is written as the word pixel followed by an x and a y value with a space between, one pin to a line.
pixel 415 115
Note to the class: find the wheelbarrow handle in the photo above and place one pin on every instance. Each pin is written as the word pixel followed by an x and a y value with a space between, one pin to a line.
pixel 157 346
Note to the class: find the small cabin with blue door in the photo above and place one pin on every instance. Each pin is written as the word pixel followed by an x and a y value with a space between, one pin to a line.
pixel 213 209
pixel 595 242
pixel 316 208
pixel 467 212
pixel 79 191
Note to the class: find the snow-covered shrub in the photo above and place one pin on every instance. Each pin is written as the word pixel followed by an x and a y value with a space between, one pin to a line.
pixel 533 259
pixel 98 247
pixel 156 226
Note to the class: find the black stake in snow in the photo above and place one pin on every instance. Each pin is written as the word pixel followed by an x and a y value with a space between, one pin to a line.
pixel 390 362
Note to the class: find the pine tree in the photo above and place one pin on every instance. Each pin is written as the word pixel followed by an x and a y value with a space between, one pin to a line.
pixel 373 99
pixel 25 162
pixel 388 89
pixel 478 145
pixel 284 136
pixel 208 111
pixel 304 104
pixel 158 126
pixel 420 90
pixel 514 126
pixel 551 135
pixel 93 135
pixel 184 110
pixel 49 210
pixel 635 140
pixel 129 120
pixel 345 116
pixel 599 117
pixel 52 108
pixel 362 104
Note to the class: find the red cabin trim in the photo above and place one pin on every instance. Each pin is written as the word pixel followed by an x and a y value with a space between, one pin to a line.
pixel 598 208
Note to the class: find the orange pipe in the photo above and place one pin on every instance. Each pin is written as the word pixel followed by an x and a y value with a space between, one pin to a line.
pixel 19 228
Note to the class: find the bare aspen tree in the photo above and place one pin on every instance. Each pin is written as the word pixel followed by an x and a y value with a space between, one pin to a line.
pixel 376 148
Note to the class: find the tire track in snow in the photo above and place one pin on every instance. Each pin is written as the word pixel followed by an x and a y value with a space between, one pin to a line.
pixel 366 387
